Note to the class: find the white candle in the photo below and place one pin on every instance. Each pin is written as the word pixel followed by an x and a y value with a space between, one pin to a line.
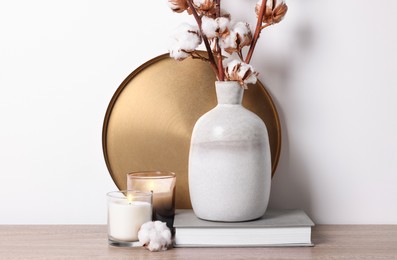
pixel 126 218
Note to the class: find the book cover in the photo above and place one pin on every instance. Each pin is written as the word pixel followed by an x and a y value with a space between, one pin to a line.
pixel 276 228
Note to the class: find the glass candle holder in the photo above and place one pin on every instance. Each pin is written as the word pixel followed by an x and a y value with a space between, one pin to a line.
pixel 162 184
pixel 127 211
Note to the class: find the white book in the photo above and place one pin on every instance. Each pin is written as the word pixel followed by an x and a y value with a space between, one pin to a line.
pixel 275 228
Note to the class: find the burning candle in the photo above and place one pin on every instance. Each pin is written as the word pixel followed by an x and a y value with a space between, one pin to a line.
pixel 127 211
pixel 162 184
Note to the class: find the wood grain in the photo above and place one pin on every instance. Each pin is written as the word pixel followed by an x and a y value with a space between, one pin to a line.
pixel 90 242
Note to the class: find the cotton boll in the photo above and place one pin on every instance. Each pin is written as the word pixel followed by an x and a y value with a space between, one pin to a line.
pixel 273 13
pixel 243 33
pixel 189 41
pixel 241 28
pixel 156 236
pixel 187 37
pixel 214 27
pixel 209 27
pixel 177 53
pixel 241 72
pixel 229 42
pixel 185 40
pixel 231 65
pixel 244 68
pixel 223 24
pixel 234 39
pixel 248 74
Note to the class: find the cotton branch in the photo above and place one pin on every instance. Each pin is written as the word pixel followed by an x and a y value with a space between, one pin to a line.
pixel 258 30
pixel 221 74
pixel 205 39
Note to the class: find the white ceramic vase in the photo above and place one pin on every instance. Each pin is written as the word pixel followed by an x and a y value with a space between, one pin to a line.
pixel 229 160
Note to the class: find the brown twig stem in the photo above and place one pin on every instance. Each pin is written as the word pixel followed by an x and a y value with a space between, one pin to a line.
pixel 221 73
pixel 257 31
pixel 197 55
pixel 218 6
pixel 240 55
pixel 205 39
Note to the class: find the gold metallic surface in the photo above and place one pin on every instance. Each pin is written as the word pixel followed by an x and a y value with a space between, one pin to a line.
pixel 150 119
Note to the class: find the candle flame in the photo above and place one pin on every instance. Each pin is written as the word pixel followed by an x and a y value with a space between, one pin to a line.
pixel 151 186
pixel 130 197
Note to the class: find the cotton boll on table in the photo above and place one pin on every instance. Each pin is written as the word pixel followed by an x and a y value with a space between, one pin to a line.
pixel 156 236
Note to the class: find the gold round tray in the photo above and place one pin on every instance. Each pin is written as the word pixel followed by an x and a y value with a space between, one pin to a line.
pixel 150 118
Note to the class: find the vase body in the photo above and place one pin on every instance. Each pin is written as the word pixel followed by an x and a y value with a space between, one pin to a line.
pixel 229 160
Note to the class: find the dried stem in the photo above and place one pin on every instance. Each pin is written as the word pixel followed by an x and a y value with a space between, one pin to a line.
pixel 205 39
pixel 218 6
pixel 240 55
pixel 221 74
pixel 257 31
pixel 197 55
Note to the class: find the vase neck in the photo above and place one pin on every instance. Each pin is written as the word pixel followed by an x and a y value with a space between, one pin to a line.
pixel 229 92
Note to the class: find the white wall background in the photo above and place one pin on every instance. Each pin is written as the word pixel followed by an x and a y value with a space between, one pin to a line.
pixel 330 66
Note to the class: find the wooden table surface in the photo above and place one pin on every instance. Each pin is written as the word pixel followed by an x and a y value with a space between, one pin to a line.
pixel 90 242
